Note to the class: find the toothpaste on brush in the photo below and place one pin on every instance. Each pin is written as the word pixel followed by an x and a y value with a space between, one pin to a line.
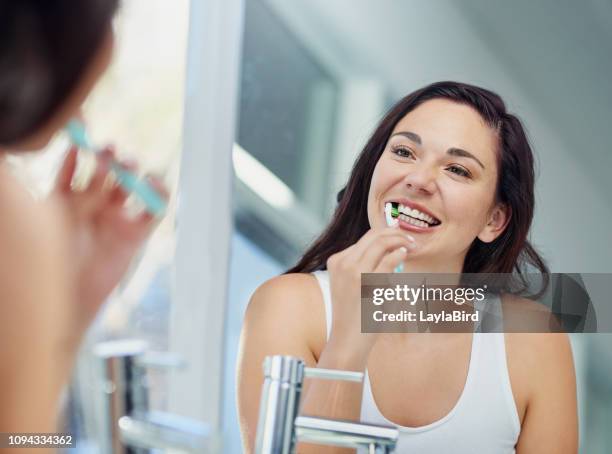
pixel 391 213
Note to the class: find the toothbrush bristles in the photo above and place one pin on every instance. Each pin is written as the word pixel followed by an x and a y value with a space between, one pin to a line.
pixel 394 210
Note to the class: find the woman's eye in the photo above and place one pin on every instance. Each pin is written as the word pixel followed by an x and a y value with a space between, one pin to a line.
pixel 459 171
pixel 402 152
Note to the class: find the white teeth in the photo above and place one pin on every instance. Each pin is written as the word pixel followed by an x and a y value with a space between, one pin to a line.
pixel 413 221
pixel 416 214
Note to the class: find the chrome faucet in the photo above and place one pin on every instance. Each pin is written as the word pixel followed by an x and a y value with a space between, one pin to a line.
pixel 131 428
pixel 280 428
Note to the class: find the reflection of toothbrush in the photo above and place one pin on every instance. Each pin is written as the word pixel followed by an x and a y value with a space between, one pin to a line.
pixel 153 201
pixel 391 213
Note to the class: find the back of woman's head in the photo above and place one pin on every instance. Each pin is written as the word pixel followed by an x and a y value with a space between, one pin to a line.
pixel 45 47
pixel 510 251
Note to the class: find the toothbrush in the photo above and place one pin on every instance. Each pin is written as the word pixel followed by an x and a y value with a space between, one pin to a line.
pixel 391 213
pixel 154 203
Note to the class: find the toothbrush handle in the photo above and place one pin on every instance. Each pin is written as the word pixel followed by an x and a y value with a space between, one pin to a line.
pixel 154 202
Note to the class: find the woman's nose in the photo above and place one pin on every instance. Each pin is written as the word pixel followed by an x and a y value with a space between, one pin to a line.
pixel 421 178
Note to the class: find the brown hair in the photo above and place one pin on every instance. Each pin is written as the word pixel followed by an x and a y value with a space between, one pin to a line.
pixel 45 46
pixel 508 253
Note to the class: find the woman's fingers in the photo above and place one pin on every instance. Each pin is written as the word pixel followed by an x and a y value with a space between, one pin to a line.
pixel 156 183
pixel 383 246
pixel 63 180
pixel 374 235
pixel 97 191
pixel 390 261
pixel 103 162
pixel 366 255
pixel 118 194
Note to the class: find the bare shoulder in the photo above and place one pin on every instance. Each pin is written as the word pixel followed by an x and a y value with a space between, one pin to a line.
pixel 33 241
pixel 285 294
pixel 285 316
pixel 524 315
pixel 535 357
pixel 538 361
pixel 297 285
pixel 291 303
pixel 34 276
pixel 540 353
pixel 535 344
pixel 27 224
pixel 543 380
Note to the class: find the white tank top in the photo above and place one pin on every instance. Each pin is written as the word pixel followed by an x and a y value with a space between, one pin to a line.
pixel 484 418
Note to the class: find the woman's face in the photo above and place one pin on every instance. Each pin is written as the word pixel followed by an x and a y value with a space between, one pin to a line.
pixel 441 160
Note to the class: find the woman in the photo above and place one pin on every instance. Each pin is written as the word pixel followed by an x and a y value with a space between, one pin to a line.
pixel 452 151
pixel 61 257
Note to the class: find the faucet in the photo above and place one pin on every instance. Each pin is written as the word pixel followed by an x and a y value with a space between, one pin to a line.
pixel 131 427
pixel 280 428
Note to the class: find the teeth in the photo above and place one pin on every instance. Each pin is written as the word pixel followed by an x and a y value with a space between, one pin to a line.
pixel 419 215
pixel 413 221
pixel 416 214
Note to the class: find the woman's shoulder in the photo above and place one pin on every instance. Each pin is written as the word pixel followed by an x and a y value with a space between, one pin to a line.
pixel 538 361
pixel 528 326
pixel 525 315
pixel 27 223
pixel 301 285
pixel 542 376
pixel 34 269
pixel 287 295
pixel 291 301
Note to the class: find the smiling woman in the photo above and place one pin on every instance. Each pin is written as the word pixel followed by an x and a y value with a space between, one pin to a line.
pixel 458 170
pixel 471 115
pixel 448 183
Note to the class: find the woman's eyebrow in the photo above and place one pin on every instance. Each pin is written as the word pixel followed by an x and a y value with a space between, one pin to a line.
pixel 409 135
pixel 464 154
pixel 451 151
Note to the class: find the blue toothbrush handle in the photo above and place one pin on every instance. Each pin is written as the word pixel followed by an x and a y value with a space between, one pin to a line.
pixel 154 202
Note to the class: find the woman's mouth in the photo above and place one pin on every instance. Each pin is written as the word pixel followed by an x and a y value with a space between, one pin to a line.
pixel 412 218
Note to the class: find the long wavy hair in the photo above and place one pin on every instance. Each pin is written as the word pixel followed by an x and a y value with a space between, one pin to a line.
pixel 510 252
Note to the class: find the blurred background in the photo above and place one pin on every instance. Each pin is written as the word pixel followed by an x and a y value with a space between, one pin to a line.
pixel 314 77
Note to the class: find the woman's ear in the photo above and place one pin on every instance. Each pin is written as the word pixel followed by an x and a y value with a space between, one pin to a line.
pixel 496 223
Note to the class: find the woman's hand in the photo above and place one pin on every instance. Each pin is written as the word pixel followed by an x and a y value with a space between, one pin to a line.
pixel 378 251
pixel 103 237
